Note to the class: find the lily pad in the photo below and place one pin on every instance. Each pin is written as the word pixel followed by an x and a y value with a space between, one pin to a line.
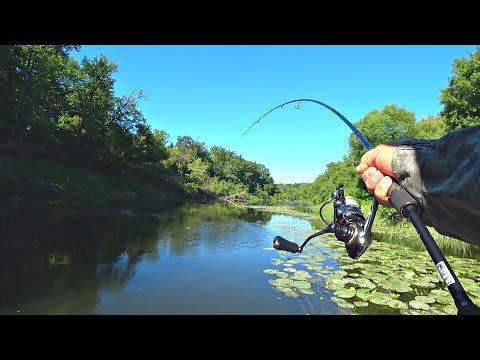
pixel 364 294
pixel 425 299
pixel 360 303
pixel 301 284
pixel 420 269
pixel 396 304
pixel 270 271
pixel 402 288
pixel 282 282
pixel 450 310
pixel 345 293
pixel 289 269
pixel 444 300
pixel 343 303
pixel 306 291
pixel 410 312
pixel 419 305
pixel 335 284
pixel 380 298
pixel 410 274
pixel 423 284
pixel 282 274
pixel 301 275
pixel 365 283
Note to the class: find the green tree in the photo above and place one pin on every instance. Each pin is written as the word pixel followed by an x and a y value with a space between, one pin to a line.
pixel 431 127
pixel 185 152
pixel 32 90
pixel 391 123
pixel 461 98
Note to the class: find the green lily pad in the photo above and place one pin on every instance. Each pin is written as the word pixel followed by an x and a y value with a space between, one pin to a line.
pixel 440 292
pixel 282 282
pixel 419 305
pixel 360 303
pixel 410 274
pixel 365 283
pixel 291 262
pixel 289 269
pixel 450 310
pixel 306 291
pixel 301 275
pixel 345 293
pixel 335 284
pixel 380 298
pixel 402 288
pixel 270 271
pixel 364 294
pixel 343 303
pixel 423 284
pixel 282 274
pixel 433 278
pixel 396 304
pixel 425 299
pixel 410 312
pixel 467 281
pixel 301 284
pixel 420 269
pixel 444 300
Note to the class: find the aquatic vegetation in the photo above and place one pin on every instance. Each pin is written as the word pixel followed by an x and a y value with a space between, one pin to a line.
pixel 388 279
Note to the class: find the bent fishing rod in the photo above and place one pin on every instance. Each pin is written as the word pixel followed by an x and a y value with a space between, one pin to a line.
pixel 351 227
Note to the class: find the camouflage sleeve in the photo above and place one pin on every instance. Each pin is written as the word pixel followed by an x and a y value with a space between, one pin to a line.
pixel 444 177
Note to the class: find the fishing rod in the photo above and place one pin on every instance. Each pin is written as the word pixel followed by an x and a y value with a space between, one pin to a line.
pixel 351 227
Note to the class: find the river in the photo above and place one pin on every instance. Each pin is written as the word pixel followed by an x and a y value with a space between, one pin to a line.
pixel 193 259
pixel 207 259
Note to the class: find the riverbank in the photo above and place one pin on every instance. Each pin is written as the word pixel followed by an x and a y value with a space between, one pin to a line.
pixel 402 233
pixel 32 181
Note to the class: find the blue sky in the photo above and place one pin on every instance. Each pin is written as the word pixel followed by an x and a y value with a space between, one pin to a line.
pixel 213 93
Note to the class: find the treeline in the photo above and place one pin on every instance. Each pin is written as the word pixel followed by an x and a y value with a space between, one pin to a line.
pixel 65 109
pixel 461 108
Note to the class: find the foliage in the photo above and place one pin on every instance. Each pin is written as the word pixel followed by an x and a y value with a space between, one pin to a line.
pixel 431 127
pixel 391 123
pixel 461 98
pixel 67 110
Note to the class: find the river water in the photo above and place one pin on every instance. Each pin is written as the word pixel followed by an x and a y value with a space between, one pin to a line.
pixel 192 259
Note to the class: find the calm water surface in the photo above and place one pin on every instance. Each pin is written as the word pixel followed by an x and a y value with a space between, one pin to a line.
pixel 194 259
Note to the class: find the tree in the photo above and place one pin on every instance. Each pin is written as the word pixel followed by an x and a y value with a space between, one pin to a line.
pixel 32 90
pixel 391 123
pixel 185 152
pixel 431 127
pixel 461 98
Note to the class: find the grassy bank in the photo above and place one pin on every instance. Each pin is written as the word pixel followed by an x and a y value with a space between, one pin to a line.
pixel 402 233
pixel 35 181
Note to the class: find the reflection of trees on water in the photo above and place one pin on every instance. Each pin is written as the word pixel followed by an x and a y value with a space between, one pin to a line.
pixel 199 226
pixel 95 246
pixel 61 262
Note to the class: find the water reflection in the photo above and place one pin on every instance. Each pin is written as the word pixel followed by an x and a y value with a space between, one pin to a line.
pixel 68 262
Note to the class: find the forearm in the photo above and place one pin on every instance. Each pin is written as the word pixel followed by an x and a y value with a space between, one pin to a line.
pixel 444 176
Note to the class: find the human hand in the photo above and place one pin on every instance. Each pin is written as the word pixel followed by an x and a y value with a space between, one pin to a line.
pixel 376 170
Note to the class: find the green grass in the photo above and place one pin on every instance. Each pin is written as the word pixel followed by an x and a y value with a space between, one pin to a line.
pixel 40 182
pixel 403 233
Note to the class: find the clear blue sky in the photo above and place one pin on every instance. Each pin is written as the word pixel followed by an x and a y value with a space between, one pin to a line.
pixel 213 93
